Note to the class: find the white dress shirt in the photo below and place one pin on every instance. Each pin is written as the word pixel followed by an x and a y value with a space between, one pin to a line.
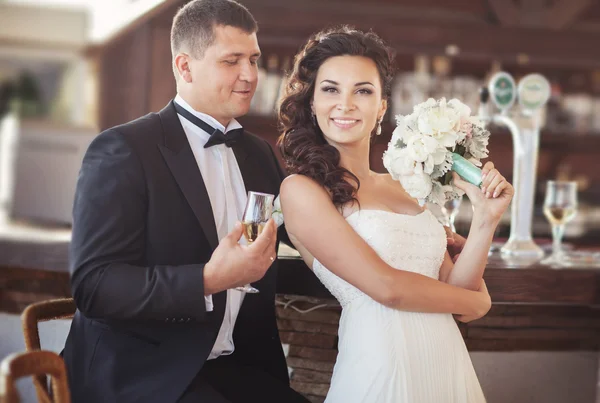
pixel 227 194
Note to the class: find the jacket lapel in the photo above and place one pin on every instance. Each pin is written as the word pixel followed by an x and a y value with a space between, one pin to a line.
pixel 178 155
pixel 249 163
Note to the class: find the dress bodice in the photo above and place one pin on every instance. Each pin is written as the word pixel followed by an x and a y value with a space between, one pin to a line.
pixel 415 243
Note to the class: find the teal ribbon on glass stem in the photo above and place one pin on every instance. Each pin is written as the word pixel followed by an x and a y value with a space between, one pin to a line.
pixel 467 170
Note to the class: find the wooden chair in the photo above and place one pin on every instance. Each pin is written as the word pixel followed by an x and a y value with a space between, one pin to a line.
pixel 41 312
pixel 34 363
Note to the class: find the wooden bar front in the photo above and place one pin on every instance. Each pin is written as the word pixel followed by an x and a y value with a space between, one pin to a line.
pixel 534 308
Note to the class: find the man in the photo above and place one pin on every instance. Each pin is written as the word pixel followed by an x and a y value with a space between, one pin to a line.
pixel 155 255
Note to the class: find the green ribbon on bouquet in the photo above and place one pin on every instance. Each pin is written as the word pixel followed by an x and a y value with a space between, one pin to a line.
pixel 466 170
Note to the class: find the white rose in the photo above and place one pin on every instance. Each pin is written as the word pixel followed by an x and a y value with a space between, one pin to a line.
pixel 418 185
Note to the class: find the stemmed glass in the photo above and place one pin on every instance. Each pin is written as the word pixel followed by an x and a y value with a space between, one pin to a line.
pixel 450 211
pixel 560 207
pixel 257 213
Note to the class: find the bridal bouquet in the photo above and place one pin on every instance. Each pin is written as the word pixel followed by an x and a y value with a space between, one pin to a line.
pixel 277 213
pixel 426 145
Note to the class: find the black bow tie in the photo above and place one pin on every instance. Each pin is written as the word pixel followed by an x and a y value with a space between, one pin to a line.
pixel 216 135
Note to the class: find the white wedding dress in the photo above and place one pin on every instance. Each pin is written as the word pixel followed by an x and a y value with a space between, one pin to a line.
pixel 391 356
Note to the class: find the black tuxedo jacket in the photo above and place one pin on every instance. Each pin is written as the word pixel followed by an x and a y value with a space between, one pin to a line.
pixel 143 229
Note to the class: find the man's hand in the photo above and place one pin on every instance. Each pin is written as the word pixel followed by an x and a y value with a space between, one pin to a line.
pixel 232 265
pixel 456 243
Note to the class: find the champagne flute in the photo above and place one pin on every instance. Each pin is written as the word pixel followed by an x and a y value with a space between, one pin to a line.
pixel 450 211
pixel 257 213
pixel 560 207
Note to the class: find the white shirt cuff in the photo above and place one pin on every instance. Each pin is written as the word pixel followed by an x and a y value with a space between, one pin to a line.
pixel 208 302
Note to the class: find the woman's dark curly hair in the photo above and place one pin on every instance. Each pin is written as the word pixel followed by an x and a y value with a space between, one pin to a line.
pixel 302 143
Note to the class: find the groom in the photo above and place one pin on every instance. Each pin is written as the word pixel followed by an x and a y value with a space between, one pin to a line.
pixel 155 255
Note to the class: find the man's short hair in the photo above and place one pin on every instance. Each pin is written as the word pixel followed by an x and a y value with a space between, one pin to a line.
pixel 193 26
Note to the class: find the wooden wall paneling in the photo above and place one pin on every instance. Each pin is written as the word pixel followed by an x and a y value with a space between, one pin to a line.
pixel 543 286
pixel 125 78
pixel 162 81
pixel 409 34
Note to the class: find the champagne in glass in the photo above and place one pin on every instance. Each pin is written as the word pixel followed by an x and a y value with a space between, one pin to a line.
pixel 560 207
pixel 257 213
pixel 252 230
pixel 559 215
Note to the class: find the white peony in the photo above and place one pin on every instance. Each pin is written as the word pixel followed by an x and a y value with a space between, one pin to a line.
pixel 398 162
pixel 420 147
pixel 437 157
pixel 440 125
pixel 418 185
pixel 463 110
pixel 420 151
pixel 406 127
pixel 399 134
pixel 462 115
pixel 419 108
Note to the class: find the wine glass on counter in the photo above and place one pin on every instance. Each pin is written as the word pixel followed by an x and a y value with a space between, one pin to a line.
pixel 560 207
pixel 258 211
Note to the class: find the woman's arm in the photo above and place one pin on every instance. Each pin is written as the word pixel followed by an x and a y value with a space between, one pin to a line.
pixel 321 229
pixel 489 203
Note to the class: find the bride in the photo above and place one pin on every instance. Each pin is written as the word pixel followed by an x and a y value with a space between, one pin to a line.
pixel 378 252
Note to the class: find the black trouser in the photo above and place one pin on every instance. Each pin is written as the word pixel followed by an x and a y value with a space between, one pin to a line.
pixel 224 380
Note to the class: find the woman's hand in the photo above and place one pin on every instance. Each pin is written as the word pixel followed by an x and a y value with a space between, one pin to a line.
pixel 484 303
pixel 455 243
pixel 492 199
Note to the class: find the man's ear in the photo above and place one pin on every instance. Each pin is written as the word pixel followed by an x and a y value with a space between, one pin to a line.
pixel 182 66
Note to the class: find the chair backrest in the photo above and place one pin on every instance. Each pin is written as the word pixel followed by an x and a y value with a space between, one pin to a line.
pixel 32 363
pixel 43 311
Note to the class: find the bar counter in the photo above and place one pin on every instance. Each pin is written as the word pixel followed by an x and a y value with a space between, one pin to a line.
pixel 534 307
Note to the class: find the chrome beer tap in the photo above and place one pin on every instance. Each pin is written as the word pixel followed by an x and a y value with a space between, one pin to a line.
pixel 534 92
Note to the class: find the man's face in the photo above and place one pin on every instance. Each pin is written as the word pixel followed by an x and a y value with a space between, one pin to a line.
pixel 225 77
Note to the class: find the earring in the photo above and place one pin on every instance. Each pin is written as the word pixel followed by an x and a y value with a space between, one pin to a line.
pixel 314 118
pixel 378 132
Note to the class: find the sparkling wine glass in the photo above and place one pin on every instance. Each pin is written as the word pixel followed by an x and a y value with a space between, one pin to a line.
pixel 450 211
pixel 560 207
pixel 257 213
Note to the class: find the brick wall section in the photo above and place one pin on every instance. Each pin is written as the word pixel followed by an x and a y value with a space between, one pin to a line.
pixel 312 338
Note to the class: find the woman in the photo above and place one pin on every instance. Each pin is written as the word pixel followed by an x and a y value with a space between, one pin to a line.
pixel 378 252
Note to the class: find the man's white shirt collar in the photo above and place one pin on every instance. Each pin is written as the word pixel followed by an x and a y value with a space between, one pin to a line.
pixel 233 124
